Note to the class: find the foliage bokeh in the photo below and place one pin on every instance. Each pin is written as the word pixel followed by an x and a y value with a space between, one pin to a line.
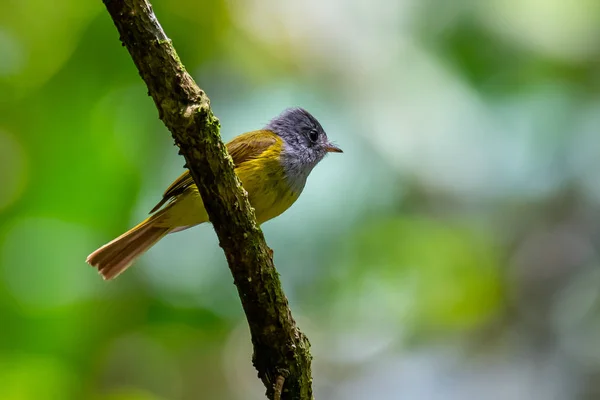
pixel 450 253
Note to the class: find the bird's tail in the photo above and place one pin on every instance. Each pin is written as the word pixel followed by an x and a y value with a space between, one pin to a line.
pixel 117 255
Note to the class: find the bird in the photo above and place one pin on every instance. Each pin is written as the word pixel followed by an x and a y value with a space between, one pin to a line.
pixel 273 164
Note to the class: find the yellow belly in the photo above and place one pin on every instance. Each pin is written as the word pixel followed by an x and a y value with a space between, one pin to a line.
pixel 268 190
pixel 264 180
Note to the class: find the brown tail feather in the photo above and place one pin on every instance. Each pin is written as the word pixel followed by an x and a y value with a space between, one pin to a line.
pixel 117 255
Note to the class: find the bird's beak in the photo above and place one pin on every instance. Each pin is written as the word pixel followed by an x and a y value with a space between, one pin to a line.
pixel 332 148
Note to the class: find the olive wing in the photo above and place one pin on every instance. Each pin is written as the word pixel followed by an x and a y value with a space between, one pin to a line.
pixel 242 148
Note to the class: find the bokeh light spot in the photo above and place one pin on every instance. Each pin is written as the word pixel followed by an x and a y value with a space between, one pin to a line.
pixel 43 262
pixel 12 54
pixel 29 377
pixel 568 30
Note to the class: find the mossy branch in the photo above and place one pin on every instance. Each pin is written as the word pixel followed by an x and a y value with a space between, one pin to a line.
pixel 281 351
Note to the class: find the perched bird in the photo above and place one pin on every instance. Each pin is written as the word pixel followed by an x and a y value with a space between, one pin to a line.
pixel 272 163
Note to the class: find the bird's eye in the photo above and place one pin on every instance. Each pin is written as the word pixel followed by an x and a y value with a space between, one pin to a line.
pixel 313 135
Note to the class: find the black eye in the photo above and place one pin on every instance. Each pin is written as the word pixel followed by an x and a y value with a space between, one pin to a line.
pixel 313 135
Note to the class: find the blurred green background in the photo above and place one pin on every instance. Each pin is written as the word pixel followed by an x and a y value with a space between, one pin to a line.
pixel 451 253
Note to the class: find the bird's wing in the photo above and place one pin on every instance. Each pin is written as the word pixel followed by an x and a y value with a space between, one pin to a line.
pixel 250 145
pixel 242 148
pixel 184 181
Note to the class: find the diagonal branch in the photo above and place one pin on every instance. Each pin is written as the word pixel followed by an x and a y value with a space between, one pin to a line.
pixel 280 349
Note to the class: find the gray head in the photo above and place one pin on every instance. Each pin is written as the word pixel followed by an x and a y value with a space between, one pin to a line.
pixel 305 142
pixel 302 134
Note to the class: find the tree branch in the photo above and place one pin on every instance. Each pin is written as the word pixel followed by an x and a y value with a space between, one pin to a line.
pixel 280 349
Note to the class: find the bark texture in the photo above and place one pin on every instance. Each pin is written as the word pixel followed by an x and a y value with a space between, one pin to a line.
pixel 281 351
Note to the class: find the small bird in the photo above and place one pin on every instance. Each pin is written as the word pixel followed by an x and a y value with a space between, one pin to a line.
pixel 272 163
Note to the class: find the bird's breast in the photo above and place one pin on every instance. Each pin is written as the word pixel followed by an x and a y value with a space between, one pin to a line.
pixel 270 190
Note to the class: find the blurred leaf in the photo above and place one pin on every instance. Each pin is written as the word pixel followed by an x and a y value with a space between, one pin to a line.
pixel 422 273
pixel 28 377
pixel 498 67
pixel 47 42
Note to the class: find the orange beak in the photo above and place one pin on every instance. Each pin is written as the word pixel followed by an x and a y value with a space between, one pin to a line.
pixel 331 148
